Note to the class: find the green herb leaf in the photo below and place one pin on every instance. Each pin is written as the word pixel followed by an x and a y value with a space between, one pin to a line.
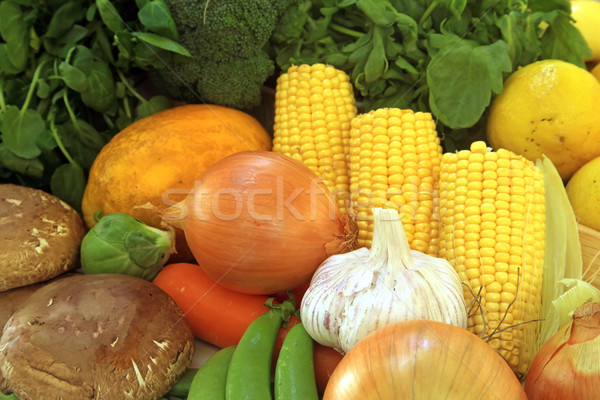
pixel 83 59
pixel 43 89
pixel 462 78
pixel 20 130
pixel 74 35
pixel 82 140
pixel 519 31
pixel 563 41
pixel 45 141
pixel 68 184
pixel 6 65
pixel 549 5
pixel 90 13
pixel 162 43
pixel 74 78
pixel 155 16
pixel 376 11
pixel 103 46
pixel 27 167
pixel 101 87
pixel 457 7
pixel 64 18
pixel 110 16
pixel 152 106
pixel 15 32
pixel 376 62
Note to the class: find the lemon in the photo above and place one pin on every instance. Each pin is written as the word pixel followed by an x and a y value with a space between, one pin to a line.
pixel 550 108
pixel 583 190
pixel 587 19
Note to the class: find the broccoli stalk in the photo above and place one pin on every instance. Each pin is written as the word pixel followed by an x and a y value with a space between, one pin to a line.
pixel 228 40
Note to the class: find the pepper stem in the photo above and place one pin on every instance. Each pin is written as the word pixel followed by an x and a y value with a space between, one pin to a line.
pixel 389 239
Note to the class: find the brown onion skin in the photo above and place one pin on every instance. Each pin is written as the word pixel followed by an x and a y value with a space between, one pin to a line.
pixel 568 365
pixel 423 360
pixel 248 238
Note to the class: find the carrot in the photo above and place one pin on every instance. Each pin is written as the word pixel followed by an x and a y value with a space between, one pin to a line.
pixel 220 316
pixel 217 315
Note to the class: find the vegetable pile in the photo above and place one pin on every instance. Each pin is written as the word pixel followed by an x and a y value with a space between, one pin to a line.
pixel 374 245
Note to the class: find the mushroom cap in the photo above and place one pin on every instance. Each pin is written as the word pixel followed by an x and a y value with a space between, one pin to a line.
pixel 101 336
pixel 9 302
pixel 40 236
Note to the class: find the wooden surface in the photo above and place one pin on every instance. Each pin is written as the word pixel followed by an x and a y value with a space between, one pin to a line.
pixel 590 248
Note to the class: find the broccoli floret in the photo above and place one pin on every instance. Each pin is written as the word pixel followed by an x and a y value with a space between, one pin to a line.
pixel 227 40
pixel 216 75
pixel 218 29
pixel 236 83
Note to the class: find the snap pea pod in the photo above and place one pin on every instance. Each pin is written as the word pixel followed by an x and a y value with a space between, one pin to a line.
pixel 209 381
pixel 249 375
pixel 295 370
pixel 182 386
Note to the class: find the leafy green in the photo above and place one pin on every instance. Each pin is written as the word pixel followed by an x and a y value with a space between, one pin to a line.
pixel 122 244
pixel 20 129
pixel 155 15
pixel 447 57
pixel 68 77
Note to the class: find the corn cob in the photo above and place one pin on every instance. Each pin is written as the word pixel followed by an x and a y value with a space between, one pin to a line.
pixel 314 105
pixel 492 230
pixel 394 160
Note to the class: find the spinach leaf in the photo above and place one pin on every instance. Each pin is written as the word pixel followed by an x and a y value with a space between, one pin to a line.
pixel 376 61
pixel 519 31
pixel 68 183
pixel 563 41
pixel 64 18
pixel 82 141
pixel 110 16
pixel 32 168
pixel 155 16
pixel 20 129
pixel 462 78
pixel 6 64
pixel 15 32
pixel 83 59
pixel 74 78
pixel 152 106
pixel 101 87
pixel 549 5
pixel 162 43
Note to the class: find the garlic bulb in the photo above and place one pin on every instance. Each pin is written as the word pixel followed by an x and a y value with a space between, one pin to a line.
pixel 353 294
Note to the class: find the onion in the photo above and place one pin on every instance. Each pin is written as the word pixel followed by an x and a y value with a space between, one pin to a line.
pixel 567 366
pixel 422 360
pixel 260 222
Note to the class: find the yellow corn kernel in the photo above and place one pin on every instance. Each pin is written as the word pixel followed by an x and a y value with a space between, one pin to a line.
pixel 500 230
pixel 314 105
pixel 394 161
